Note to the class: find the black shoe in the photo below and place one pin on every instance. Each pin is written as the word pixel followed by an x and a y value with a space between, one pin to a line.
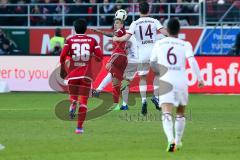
pixel 95 93
pixel 155 101
pixel 171 147
pixel 144 108
pixel 72 110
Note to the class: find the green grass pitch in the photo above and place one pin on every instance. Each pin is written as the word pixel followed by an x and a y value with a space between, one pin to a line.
pixel 29 130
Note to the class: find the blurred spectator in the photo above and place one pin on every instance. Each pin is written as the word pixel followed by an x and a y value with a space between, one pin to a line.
pixel 48 9
pixel 118 5
pixel 183 22
pixel 92 9
pixel 107 8
pixel 159 9
pixel 20 9
pixel 4 9
pixel 36 20
pixel 2 36
pixel 57 20
pixel 78 8
pixel 7 47
pixel 57 42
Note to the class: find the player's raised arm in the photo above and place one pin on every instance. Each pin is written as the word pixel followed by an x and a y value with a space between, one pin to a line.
pixel 127 36
pixel 98 52
pixel 164 32
pixel 193 64
pixel 108 34
pixel 161 28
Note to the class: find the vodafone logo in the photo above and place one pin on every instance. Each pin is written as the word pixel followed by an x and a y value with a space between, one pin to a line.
pixel 217 76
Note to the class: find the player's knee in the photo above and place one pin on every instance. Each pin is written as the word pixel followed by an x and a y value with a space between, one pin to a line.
pixel 166 116
pixel 180 110
pixel 143 77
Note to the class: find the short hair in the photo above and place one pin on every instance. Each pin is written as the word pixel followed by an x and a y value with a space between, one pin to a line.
pixel 173 26
pixel 118 19
pixel 80 26
pixel 144 7
pixel 58 32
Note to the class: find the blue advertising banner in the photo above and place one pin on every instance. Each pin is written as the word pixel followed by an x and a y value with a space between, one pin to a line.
pixel 217 41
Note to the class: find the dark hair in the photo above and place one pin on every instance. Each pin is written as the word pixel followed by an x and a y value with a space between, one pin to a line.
pixel 58 32
pixel 144 7
pixel 80 26
pixel 173 26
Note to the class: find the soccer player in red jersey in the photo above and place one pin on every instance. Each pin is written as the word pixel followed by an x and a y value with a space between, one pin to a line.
pixel 82 50
pixel 118 61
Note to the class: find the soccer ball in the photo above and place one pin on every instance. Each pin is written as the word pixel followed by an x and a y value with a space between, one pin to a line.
pixel 121 14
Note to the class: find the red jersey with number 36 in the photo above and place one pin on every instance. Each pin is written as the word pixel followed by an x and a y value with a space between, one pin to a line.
pixel 119 47
pixel 80 49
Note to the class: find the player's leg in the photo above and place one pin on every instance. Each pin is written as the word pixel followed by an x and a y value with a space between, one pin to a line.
pixel 83 90
pixel 125 93
pixel 129 74
pixel 73 106
pixel 116 92
pixel 167 122
pixel 143 91
pixel 179 125
pixel 155 98
pixel 143 70
pixel 82 111
pixel 73 97
pixel 180 121
pixel 102 85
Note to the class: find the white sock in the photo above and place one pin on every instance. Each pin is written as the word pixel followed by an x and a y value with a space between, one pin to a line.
pixel 105 82
pixel 179 128
pixel 156 86
pixel 168 126
pixel 125 96
pixel 143 89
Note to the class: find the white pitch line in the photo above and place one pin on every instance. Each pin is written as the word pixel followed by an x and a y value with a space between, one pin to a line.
pixel 22 109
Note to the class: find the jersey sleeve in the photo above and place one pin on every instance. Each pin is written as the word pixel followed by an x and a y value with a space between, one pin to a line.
pixel 189 50
pixel 132 27
pixel 97 51
pixel 121 32
pixel 158 25
pixel 64 53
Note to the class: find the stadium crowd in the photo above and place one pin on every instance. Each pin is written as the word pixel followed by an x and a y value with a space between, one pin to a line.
pixel 88 8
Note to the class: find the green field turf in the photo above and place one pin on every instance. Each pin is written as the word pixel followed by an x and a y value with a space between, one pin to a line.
pixel 30 130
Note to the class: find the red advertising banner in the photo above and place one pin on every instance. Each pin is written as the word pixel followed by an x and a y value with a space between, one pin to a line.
pixel 40 38
pixel 220 74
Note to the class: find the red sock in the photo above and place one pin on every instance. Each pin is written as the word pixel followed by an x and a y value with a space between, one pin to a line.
pixel 82 112
pixel 116 93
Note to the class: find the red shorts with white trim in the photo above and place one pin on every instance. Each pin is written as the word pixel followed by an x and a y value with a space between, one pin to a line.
pixel 79 82
pixel 118 65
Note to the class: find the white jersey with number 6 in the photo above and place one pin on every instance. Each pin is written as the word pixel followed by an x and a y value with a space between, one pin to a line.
pixel 172 53
pixel 145 31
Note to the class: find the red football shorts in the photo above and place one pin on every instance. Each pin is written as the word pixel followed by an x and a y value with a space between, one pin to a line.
pixel 118 65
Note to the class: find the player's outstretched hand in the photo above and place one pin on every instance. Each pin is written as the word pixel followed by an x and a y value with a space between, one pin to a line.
pixel 200 84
